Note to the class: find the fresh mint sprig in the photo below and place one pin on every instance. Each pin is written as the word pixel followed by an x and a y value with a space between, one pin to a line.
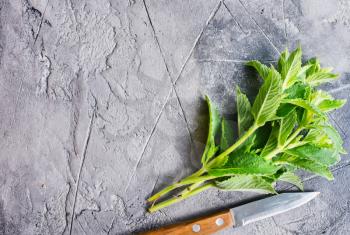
pixel 285 129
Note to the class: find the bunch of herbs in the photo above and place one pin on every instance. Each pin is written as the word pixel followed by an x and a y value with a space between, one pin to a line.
pixel 286 128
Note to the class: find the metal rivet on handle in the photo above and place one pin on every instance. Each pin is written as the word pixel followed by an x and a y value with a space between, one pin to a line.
pixel 196 228
pixel 219 221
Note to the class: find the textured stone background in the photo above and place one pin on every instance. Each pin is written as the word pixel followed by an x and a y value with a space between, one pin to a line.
pixel 101 104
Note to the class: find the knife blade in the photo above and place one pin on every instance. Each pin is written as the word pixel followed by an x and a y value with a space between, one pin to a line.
pixel 238 216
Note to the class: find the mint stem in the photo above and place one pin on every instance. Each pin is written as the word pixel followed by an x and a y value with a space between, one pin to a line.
pixel 179 198
pixel 186 181
pixel 229 150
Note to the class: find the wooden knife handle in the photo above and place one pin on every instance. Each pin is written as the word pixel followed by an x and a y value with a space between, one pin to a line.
pixel 203 226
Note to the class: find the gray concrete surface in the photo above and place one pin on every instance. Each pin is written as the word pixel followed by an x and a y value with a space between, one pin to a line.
pixel 101 105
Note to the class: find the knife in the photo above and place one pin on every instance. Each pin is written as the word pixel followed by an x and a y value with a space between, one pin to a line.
pixel 238 216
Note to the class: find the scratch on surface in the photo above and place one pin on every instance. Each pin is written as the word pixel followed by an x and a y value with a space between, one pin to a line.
pixel 284 21
pixel 82 227
pixel 111 226
pixel 70 5
pixel 341 167
pixel 232 61
pixel 41 23
pixel 171 80
pixel 155 184
pixel 172 88
pixel 212 14
pixel 87 139
pixel 16 104
pixel 340 88
pixel 29 197
pixel 147 141
pixel 261 30
pixel 339 127
pixel 234 19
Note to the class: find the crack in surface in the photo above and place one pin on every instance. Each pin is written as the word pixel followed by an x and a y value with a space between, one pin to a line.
pixel 213 13
pixel 173 83
pixel 147 141
pixel 261 30
pixel 233 61
pixel 41 23
pixel 340 88
pixel 171 79
pixel 234 19
pixel 87 139
pixel 284 21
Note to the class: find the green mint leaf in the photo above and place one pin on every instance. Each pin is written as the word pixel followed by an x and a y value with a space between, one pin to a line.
pixel 305 105
pixel 244 164
pixel 318 138
pixel 333 135
pixel 324 156
pixel 262 136
pixel 291 178
pixel 245 118
pixel 315 66
pixel 284 110
pixel 306 164
pixel 272 142
pixel 214 124
pixel 329 105
pixel 298 90
pixel 262 69
pixel 268 99
pixel 226 139
pixel 320 77
pixel 286 127
pixel 290 67
pixel 325 102
pixel 246 183
pixel 302 73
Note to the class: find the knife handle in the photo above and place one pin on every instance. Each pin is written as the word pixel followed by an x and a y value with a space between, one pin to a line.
pixel 203 226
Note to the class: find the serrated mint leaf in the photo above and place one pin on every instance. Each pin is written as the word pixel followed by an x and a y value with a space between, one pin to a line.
pixel 324 156
pixel 262 136
pixel 306 164
pixel 325 102
pixel 302 73
pixel 286 127
pixel 285 109
pixel 244 116
pixel 290 67
pixel 262 69
pixel 244 164
pixel 317 137
pixel 291 178
pixel 305 105
pixel 214 124
pixel 320 77
pixel 226 139
pixel 246 183
pixel 314 66
pixel 268 99
pixel 296 91
pixel 272 142
pixel 329 105
pixel 333 135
